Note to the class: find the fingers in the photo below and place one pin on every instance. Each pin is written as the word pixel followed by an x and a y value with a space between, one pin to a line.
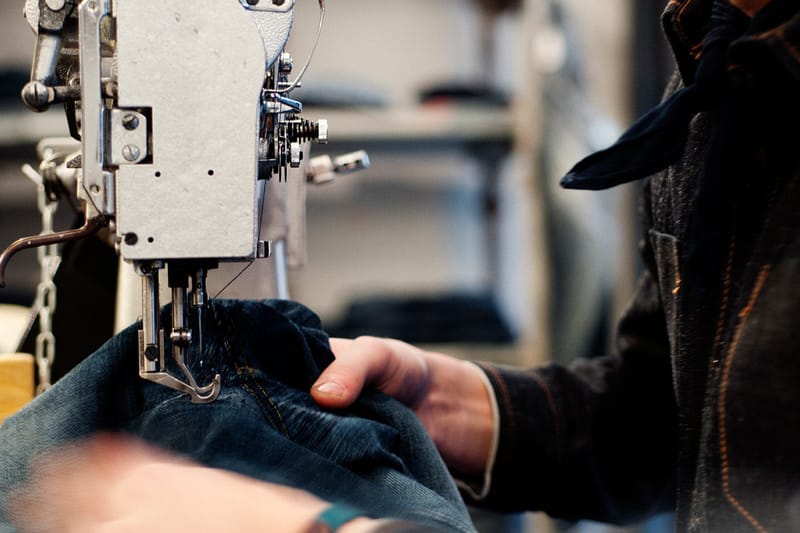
pixel 342 381
pixel 395 367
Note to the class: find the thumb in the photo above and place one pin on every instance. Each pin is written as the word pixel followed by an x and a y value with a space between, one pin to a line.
pixel 342 381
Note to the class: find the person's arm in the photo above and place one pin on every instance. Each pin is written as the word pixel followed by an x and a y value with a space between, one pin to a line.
pixel 109 483
pixel 449 395
pixel 594 439
pixel 113 484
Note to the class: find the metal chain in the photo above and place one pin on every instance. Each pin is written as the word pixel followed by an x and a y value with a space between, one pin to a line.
pixel 45 303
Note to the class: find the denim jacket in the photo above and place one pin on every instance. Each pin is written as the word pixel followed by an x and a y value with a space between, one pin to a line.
pixel 699 409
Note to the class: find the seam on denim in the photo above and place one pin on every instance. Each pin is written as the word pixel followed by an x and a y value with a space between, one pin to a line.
pixel 723 435
pixel 726 293
pixel 259 398
pixel 716 346
pixel 742 316
pixel 224 327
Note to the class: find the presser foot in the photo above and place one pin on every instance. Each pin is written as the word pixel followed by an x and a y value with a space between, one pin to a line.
pixel 151 369
pixel 205 394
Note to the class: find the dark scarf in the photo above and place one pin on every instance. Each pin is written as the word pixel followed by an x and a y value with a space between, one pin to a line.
pixel 659 138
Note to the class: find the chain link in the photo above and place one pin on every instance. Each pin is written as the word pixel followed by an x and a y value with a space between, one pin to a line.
pixel 45 303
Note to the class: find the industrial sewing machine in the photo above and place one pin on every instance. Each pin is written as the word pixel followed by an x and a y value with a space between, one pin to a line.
pixel 182 113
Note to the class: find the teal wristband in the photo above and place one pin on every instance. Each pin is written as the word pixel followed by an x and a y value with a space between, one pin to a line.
pixel 335 516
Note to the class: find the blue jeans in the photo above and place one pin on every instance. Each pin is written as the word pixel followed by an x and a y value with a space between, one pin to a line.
pixel 264 423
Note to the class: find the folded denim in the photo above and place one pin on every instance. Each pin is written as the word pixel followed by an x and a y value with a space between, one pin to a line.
pixel 374 455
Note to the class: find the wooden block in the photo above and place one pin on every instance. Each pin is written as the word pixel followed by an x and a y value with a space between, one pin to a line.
pixel 16 382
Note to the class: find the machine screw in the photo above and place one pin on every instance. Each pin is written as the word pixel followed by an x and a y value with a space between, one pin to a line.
pixel 36 95
pixel 278 2
pixel 253 2
pixel 130 122
pixel 130 152
pixel 286 63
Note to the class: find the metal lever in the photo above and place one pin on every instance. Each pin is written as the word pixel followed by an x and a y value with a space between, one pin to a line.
pixel 90 227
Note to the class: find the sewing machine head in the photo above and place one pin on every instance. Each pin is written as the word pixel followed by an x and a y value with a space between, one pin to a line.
pixel 183 113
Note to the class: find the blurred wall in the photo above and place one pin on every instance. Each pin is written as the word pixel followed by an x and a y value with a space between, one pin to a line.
pixel 16 37
pixel 400 47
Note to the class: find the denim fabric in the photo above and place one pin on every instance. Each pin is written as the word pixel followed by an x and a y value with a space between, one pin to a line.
pixel 375 456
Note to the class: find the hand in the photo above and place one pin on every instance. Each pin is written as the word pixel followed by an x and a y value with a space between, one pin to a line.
pixel 112 484
pixel 447 394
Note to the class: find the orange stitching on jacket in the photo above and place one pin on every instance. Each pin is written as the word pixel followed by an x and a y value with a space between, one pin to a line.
pixel 676 261
pixel 723 434
pixel 678 16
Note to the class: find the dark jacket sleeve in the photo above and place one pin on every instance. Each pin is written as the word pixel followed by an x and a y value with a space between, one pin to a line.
pixel 595 439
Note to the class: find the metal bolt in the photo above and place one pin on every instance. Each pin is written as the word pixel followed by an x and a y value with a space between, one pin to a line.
pixel 130 152
pixel 151 352
pixel 278 2
pixel 130 122
pixel 252 2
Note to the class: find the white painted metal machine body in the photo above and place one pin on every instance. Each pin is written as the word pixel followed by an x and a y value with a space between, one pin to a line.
pixel 183 114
